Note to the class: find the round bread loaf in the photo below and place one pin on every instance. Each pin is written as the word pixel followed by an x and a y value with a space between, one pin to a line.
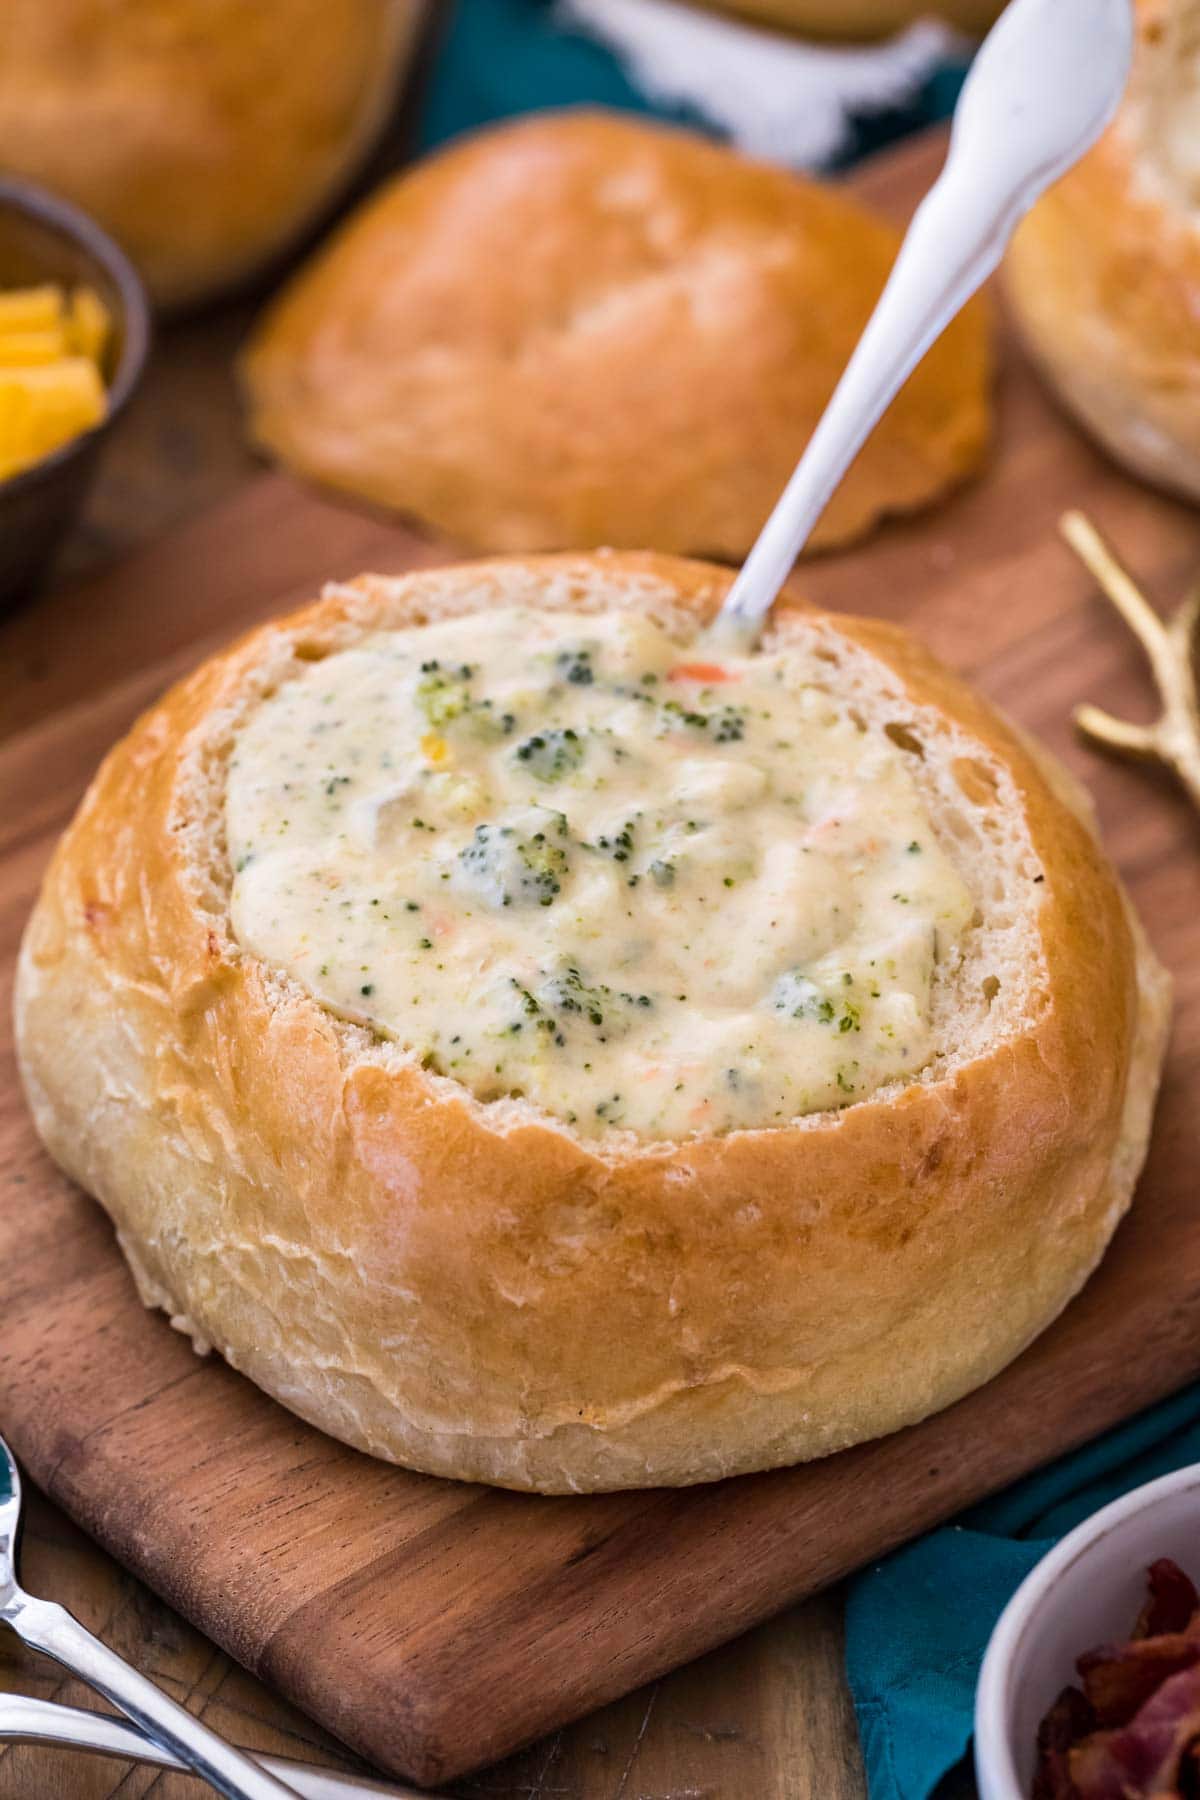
pixel 206 135
pixel 581 330
pixel 863 18
pixel 465 1280
pixel 1103 275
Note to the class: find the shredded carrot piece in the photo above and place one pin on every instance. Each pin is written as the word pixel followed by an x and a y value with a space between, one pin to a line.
pixel 700 671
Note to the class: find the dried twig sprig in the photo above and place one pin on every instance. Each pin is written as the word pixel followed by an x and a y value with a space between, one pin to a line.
pixel 1174 737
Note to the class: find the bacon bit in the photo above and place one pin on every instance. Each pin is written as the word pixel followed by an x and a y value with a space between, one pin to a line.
pixel 1120 1678
pixel 1134 1730
pixel 214 944
pixel 1069 1720
pixel 701 671
pixel 94 912
pixel 1148 1756
pixel 441 925
pixel 1171 1602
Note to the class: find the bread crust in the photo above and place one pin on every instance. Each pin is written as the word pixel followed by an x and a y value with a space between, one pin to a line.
pixel 1103 274
pixel 474 1291
pixel 206 135
pixel 582 330
pixel 861 18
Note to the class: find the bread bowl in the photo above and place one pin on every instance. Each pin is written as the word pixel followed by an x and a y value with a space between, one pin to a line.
pixel 205 135
pixel 583 330
pixel 862 18
pixel 379 1231
pixel 1103 274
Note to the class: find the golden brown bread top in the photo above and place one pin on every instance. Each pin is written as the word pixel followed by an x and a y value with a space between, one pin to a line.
pixel 1081 919
pixel 123 847
pixel 202 133
pixel 479 1293
pixel 582 330
pixel 1104 272
pixel 862 18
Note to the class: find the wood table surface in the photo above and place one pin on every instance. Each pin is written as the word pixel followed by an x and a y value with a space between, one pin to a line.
pixel 768 1716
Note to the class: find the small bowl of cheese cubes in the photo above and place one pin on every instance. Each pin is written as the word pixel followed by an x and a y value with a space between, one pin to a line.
pixel 74 332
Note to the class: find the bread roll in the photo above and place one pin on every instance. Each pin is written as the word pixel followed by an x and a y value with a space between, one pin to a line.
pixel 204 134
pixel 485 1284
pixel 1103 275
pixel 582 330
pixel 863 18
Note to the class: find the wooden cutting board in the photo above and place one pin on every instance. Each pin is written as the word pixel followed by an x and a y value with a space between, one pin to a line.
pixel 432 1626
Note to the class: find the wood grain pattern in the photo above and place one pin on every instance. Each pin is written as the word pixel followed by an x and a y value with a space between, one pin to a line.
pixel 770 1715
pixel 431 1626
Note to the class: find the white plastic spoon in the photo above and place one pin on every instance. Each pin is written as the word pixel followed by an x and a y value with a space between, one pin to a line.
pixel 1041 90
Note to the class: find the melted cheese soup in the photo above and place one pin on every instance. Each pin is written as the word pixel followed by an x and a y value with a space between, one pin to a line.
pixel 561 857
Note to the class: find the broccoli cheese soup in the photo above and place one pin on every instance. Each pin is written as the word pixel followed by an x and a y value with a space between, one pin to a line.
pixel 565 857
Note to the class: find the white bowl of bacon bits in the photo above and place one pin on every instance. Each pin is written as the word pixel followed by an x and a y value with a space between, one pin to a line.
pixel 1090 1689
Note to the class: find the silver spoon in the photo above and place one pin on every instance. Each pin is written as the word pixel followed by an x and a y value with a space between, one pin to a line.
pixel 50 1628
pixel 1041 90
pixel 27 1721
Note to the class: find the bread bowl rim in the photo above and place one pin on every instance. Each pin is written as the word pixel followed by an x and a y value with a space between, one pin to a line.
pixel 615 1447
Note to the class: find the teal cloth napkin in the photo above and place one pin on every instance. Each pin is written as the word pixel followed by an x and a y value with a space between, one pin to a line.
pixel 917 1624
pixel 498 58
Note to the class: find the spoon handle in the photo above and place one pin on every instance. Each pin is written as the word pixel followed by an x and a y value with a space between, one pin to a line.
pixel 28 1721
pixel 953 244
pixel 50 1628
pixel 1014 131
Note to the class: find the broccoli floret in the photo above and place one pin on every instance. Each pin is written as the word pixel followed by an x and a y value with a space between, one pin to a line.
pixel 618 844
pixel 566 994
pixel 444 696
pixel 575 666
pixel 549 755
pixel 800 998
pixel 443 693
pixel 725 726
pixel 516 865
